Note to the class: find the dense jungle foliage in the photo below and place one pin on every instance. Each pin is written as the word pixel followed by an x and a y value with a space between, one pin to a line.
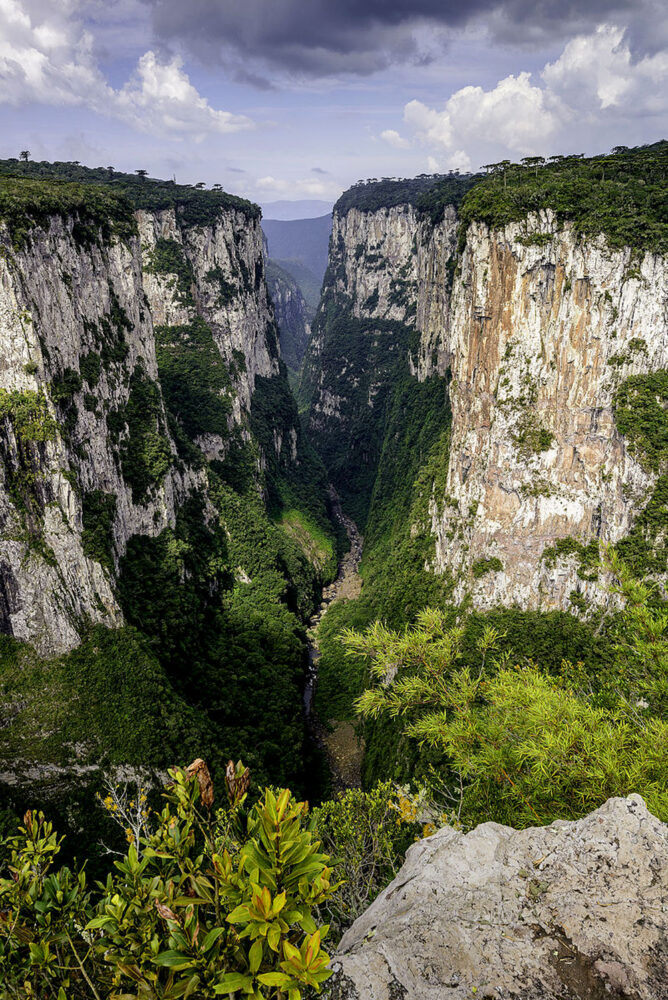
pixel 622 195
pixel 99 185
pixel 428 192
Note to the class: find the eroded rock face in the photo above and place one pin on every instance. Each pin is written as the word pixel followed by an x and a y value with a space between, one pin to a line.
pixel 78 334
pixel 572 910
pixel 539 337
pixel 538 327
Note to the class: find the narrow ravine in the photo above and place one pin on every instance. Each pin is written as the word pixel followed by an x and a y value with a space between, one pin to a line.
pixel 340 744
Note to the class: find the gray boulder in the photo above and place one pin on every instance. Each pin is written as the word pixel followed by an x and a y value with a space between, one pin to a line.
pixel 572 910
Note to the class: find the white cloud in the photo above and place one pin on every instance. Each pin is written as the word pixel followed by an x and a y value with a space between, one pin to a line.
pixel 47 57
pixel 459 160
pixel 597 71
pixel 593 85
pixel 515 114
pixel 394 139
pixel 161 98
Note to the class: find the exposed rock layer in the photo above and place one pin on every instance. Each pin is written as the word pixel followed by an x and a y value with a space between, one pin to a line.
pixel 538 327
pixel 77 329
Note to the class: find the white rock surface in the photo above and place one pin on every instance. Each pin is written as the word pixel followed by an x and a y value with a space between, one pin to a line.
pixel 572 911
pixel 53 294
pixel 540 337
pixel 537 336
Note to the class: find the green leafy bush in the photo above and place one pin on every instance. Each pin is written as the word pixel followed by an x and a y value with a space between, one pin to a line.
pixel 211 904
pixel 522 745
pixel 367 834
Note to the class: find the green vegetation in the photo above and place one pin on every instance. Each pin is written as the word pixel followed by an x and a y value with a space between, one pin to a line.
pixel 169 257
pixel 430 193
pixel 516 744
pixel 588 556
pixel 640 407
pixel 27 425
pixel 621 195
pixel 367 834
pixel 640 414
pixel 29 415
pixel 99 215
pixel 202 903
pixel 482 566
pixel 195 207
pixel 145 453
pixel 227 292
pixel 195 380
pixel 530 437
pixel 99 511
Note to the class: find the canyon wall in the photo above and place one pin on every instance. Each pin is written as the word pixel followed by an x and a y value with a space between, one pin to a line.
pixel 119 353
pixel 536 329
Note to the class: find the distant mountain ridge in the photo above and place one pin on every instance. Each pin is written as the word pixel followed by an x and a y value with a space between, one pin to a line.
pixel 305 240
pixel 307 208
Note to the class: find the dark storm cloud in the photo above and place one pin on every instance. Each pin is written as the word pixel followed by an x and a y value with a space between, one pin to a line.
pixel 322 37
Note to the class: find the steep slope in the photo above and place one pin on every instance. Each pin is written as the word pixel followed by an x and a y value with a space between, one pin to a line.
pixel 162 517
pixel 486 385
pixel 84 428
pixel 292 314
pixel 544 330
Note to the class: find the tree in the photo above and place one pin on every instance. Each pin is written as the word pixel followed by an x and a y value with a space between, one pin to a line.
pixel 199 185
pixel 533 161
pixel 141 173
pixel 25 155
pixel 528 747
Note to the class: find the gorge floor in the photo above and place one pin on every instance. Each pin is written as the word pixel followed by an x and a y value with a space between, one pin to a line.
pixel 340 740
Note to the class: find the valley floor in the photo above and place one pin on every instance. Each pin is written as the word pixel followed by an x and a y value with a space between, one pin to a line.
pixel 341 742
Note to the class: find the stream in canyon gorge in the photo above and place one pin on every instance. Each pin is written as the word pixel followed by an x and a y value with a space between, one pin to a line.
pixel 339 740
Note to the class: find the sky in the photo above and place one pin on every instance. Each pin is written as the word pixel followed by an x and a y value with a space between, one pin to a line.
pixel 298 99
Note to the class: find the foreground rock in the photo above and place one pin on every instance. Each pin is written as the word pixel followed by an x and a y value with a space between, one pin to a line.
pixel 572 910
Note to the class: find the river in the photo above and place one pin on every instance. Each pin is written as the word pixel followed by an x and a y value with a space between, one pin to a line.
pixel 339 740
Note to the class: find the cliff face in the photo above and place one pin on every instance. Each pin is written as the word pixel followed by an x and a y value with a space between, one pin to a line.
pixel 293 316
pixel 538 328
pixel 96 334
pixel 78 351
pixel 385 281
pixel 540 337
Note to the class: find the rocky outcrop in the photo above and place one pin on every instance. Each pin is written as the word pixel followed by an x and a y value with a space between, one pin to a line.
pixel 388 277
pixel 572 910
pixel 77 341
pixel 536 327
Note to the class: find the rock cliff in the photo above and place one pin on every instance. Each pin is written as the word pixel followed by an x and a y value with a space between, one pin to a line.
pixel 538 331
pixel 293 316
pixel 569 910
pixel 117 350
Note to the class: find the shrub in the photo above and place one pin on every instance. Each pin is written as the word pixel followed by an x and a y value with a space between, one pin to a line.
pixel 212 903
pixel 526 746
